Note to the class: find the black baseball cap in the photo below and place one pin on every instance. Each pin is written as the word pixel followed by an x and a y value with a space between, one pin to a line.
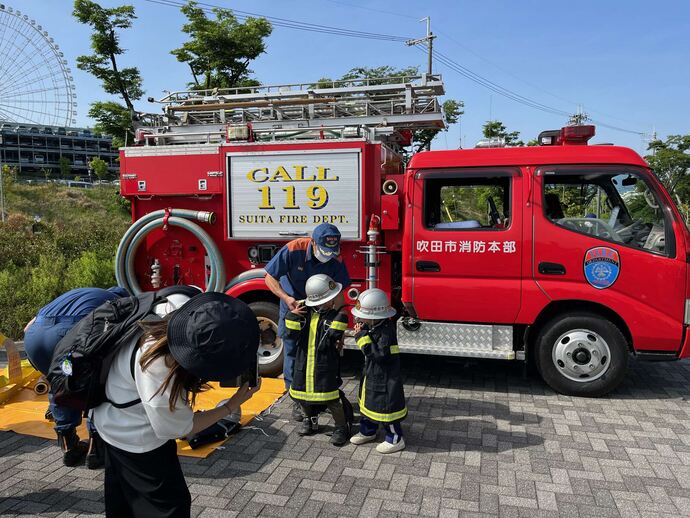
pixel 214 336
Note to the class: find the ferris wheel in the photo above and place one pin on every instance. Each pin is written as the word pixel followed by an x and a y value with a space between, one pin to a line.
pixel 36 86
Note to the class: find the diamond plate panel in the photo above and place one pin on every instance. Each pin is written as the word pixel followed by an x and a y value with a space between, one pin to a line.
pixel 466 340
pixel 471 340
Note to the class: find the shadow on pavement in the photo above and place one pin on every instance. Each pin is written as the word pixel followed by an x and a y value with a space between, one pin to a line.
pixel 644 380
pixel 13 445
pixel 245 452
pixel 56 501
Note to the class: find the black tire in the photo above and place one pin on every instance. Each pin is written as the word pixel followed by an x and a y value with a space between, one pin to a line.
pixel 558 329
pixel 272 367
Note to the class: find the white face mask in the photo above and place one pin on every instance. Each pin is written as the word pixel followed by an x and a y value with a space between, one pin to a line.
pixel 321 258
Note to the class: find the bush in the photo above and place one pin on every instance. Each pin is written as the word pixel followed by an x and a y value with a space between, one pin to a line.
pixel 90 270
pixel 73 246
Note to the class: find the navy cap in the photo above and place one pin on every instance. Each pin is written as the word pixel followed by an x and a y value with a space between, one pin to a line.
pixel 214 336
pixel 327 239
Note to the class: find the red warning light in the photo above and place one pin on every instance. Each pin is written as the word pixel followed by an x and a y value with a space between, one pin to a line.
pixel 577 135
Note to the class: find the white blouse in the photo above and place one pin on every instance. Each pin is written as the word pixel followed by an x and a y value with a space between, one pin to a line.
pixel 147 425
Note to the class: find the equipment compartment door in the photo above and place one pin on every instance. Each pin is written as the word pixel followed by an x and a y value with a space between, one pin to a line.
pixel 466 245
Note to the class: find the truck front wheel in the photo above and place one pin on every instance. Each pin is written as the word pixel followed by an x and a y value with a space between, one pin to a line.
pixel 271 346
pixel 581 354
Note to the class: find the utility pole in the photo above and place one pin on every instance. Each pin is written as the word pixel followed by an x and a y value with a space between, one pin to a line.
pixel 428 40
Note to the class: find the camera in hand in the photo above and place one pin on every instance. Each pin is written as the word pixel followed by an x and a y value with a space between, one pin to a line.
pixel 249 376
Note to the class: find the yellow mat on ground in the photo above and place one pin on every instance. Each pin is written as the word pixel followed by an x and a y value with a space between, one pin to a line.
pixel 24 412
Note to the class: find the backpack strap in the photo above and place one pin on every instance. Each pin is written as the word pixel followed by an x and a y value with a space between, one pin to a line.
pixel 133 357
pixel 125 405
pixel 132 361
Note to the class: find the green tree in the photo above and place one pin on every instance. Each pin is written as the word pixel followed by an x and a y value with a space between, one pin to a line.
pixel 496 129
pixel 105 43
pixel 112 118
pixel 99 168
pixel 452 108
pixel 670 161
pixel 219 51
pixel 9 176
pixel 65 167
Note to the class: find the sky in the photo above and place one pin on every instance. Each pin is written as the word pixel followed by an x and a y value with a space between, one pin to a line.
pixel 625 62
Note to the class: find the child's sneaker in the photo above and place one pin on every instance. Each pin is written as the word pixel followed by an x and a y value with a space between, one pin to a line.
pixel 389 447
pixel 360 438
pixel 310 425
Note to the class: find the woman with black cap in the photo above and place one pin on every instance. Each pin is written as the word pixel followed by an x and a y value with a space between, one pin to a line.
pixel 213 337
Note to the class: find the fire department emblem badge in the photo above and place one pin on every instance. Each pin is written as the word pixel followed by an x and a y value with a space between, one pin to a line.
pixel 602 266
pixel 332 285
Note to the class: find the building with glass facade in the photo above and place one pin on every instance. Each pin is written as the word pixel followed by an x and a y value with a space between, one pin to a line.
pixel 36 150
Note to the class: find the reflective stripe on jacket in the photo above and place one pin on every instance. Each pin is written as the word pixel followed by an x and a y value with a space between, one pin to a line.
pixel 315 377
pixel 381 393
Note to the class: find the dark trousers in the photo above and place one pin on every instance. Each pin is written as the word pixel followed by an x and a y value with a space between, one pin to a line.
pixel 39 343
pixel 393 430
pixel 335 407
pixel 145 485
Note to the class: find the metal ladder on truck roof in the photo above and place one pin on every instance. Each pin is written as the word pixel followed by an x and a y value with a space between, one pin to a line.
pixel 376 109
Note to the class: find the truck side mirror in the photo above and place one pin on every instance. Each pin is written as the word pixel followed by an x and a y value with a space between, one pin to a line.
pixel 630 180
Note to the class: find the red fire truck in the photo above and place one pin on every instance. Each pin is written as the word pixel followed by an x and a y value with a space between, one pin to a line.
pixel 570 254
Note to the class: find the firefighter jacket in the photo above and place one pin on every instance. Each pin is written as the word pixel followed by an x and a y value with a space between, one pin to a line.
pixel 381 394
pixel 316 374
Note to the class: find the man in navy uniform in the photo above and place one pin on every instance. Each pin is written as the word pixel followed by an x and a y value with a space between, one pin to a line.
pixel 287 274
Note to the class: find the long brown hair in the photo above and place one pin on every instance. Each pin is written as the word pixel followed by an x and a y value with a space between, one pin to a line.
pixel 183 383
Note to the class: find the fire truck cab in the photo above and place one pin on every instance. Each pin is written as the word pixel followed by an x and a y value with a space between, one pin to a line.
pixel 569 254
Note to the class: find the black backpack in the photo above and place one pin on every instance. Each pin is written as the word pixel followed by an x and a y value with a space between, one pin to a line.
pixel 82 359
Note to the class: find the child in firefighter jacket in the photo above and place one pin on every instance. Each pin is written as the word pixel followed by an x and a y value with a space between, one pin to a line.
pixel 316 372
pixel 381 395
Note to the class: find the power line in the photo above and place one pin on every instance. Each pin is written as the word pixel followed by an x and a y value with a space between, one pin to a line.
pixel 391 13
pixel 287 23
pixel 490 85
pixel 509 94
pixel 529 83
pixel 447 61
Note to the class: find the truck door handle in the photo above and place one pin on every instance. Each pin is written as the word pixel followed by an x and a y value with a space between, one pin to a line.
pixel 551 269
pixel 428 266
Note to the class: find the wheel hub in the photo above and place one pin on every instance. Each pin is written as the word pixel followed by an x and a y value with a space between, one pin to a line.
pixel 581 355
pixel 271 345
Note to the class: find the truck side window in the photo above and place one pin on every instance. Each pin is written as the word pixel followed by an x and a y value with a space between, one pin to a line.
pixel 621 208
pixel 467 203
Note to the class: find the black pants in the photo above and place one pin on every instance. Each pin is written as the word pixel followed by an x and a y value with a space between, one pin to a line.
pixel 145 485
pixel 335 407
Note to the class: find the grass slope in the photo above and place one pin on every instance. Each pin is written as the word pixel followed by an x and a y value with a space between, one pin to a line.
pixel 73 245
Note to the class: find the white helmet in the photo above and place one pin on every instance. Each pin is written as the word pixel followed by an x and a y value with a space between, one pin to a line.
pixel 320 288
pixel 373 304
pixel 172 303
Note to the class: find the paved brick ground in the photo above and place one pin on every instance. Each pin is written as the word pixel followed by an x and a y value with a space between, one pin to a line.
pixel 482 440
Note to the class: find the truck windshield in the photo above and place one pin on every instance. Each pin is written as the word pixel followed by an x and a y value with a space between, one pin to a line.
pixel 618 207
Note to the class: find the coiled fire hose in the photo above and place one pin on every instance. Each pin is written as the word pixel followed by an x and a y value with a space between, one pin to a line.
pixel 127 249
